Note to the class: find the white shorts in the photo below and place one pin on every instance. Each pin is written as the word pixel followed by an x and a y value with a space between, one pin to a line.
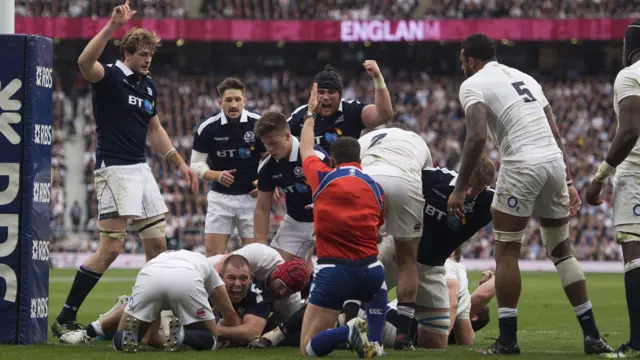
pixel 128 190
pixel 626 203
pixel 523 189
pixel 464 306
pixel 296 238
pixel 404 206
pixel 226 211
pixel 432 286
pixel 177 289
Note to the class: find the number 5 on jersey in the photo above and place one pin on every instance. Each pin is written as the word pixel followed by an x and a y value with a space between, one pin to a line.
pixel 527 96
pixel 376 139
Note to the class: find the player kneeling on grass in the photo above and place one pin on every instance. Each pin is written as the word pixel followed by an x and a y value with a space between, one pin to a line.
pixel 183 282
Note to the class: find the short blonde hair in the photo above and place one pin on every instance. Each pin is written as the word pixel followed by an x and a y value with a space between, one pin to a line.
pixel 138 39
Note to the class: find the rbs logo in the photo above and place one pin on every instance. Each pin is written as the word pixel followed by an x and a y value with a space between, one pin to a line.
pixel 10 221
pixel 43 77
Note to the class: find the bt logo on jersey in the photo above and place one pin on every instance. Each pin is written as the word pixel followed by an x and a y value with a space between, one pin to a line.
pixel 243 153
pixel 431 211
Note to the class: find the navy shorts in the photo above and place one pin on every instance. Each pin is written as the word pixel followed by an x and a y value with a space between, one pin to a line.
pixel 333 284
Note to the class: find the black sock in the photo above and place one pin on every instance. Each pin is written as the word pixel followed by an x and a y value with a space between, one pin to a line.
pixel 405 315
pixel 83 283
pixel 351 309
pixel 588 324
pixel 91 331
pixel 199 340
pixel 293 325
pixel 632 290
pixel 508 330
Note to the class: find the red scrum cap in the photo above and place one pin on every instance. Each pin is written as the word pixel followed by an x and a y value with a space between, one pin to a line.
pixel 294 273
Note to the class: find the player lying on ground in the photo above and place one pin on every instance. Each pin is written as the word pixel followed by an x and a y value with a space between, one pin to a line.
pixel 347 265
pixel 246 296
pixel 394 157
pixel 226 153
pixel 534 177
pixel 186 283
pixel 623 158
pixel 124 107
pixel 283 169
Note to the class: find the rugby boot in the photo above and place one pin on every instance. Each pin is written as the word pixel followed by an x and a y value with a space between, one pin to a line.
pixel 58 329
pixel 260 343
pixel 499 349
pixel 75 337
pixel 596 346
pixel 176 336
pixel 623 352
pixel 130 342
pixel 122 300
pixel 403 342
pixel 379 349
pixel 359 339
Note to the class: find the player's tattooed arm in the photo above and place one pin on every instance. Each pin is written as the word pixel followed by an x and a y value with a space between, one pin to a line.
pixel 551 119
pixel 474 142
pixel 628 131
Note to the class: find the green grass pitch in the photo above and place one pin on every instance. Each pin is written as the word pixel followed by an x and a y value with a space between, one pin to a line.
pixel 548 328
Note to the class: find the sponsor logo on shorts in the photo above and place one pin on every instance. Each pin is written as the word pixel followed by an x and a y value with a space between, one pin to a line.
pixel 201 312
pixel 417 227
pixel 131 305
pixel 636 210
pixel 512 202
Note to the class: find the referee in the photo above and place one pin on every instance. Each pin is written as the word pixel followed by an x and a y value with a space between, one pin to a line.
pixel 124 106
pixel 337 117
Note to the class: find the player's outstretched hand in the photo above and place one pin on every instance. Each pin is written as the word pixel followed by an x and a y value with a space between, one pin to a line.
pixel 276 195
pixel 122 14
pixel 226 177
pixel 593 193
pixel 190 177
pixel 371 66
pixel 455 205
pixel 574 201
pixel 313 98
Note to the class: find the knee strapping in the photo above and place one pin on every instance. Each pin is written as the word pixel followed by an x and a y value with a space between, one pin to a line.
pixel 437 322
pixel 113 234
pixel 508 236
pixel 150 228
pixel 570 271
pixel 552 237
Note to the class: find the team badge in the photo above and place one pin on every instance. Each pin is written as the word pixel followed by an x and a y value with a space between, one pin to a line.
pixel 249 136
pixel 149 91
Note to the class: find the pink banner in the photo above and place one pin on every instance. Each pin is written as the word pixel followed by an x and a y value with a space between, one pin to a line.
pixel 338 31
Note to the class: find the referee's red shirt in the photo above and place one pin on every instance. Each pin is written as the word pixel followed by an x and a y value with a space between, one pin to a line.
pixel 348 210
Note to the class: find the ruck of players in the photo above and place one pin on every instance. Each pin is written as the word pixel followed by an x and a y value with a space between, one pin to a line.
pixel 366 212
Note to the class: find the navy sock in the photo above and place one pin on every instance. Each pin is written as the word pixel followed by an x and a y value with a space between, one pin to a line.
pixel 325 342
pixel 632 290
pixel 83 283
pixel 199 340
pixel 588 324
pixel 376 315
pixel 405 315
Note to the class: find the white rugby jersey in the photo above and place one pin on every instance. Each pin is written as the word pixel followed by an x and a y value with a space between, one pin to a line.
pixel 458 272
pixel 405 150
pixel 185 259
pixel 515 113
pixel 627 84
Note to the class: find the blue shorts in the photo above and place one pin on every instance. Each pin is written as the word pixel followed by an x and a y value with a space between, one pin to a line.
pixel 333 284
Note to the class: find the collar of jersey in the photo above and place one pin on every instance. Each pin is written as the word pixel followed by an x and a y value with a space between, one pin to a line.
pixel 243 117
pixel 295 149
pixel 350 165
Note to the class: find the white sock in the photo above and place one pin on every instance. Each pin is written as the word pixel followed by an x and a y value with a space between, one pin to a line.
pixel 507 313
pixel 98 329
pixel 275 336
pixel 581 309
pixel 310 352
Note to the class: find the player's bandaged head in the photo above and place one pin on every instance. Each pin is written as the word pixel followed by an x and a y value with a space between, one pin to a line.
pixel 293 273
pixel 328 79
pixel 138 39
pixel 631 41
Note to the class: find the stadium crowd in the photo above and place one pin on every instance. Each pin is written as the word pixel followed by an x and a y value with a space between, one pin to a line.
pixel 335 9
pixel 429 105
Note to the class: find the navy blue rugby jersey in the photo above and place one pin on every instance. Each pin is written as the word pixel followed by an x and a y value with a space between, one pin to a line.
pixel 231 145
pixel 287 175
pixel 443 233
pixel 347 121
pixel 123 105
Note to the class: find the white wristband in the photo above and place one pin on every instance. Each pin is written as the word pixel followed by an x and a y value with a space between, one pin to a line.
pixel 220 177
pixel 604 171
pixel 170 152
pixel 379 82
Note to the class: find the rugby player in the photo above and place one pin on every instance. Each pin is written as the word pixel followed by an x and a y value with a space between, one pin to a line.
pixel 226 153
pixel 338 117
pixel 346 245
pixel 623 158
pixel 124 107
pixel 283 168
pixel 394 158
pixel 534 177
pixel 185 283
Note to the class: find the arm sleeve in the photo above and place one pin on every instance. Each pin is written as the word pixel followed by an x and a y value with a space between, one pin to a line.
pixel 314 169
pixel 539 94
pixel 213 281
pixel 265 182
pixel 470 94
pixel 451 271
pixel 108 78
pixel 199 163
pixel 200 143
pixel 625 85
pixel 357 108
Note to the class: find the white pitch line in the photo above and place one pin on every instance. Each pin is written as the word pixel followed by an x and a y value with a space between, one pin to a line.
pixel 66 279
